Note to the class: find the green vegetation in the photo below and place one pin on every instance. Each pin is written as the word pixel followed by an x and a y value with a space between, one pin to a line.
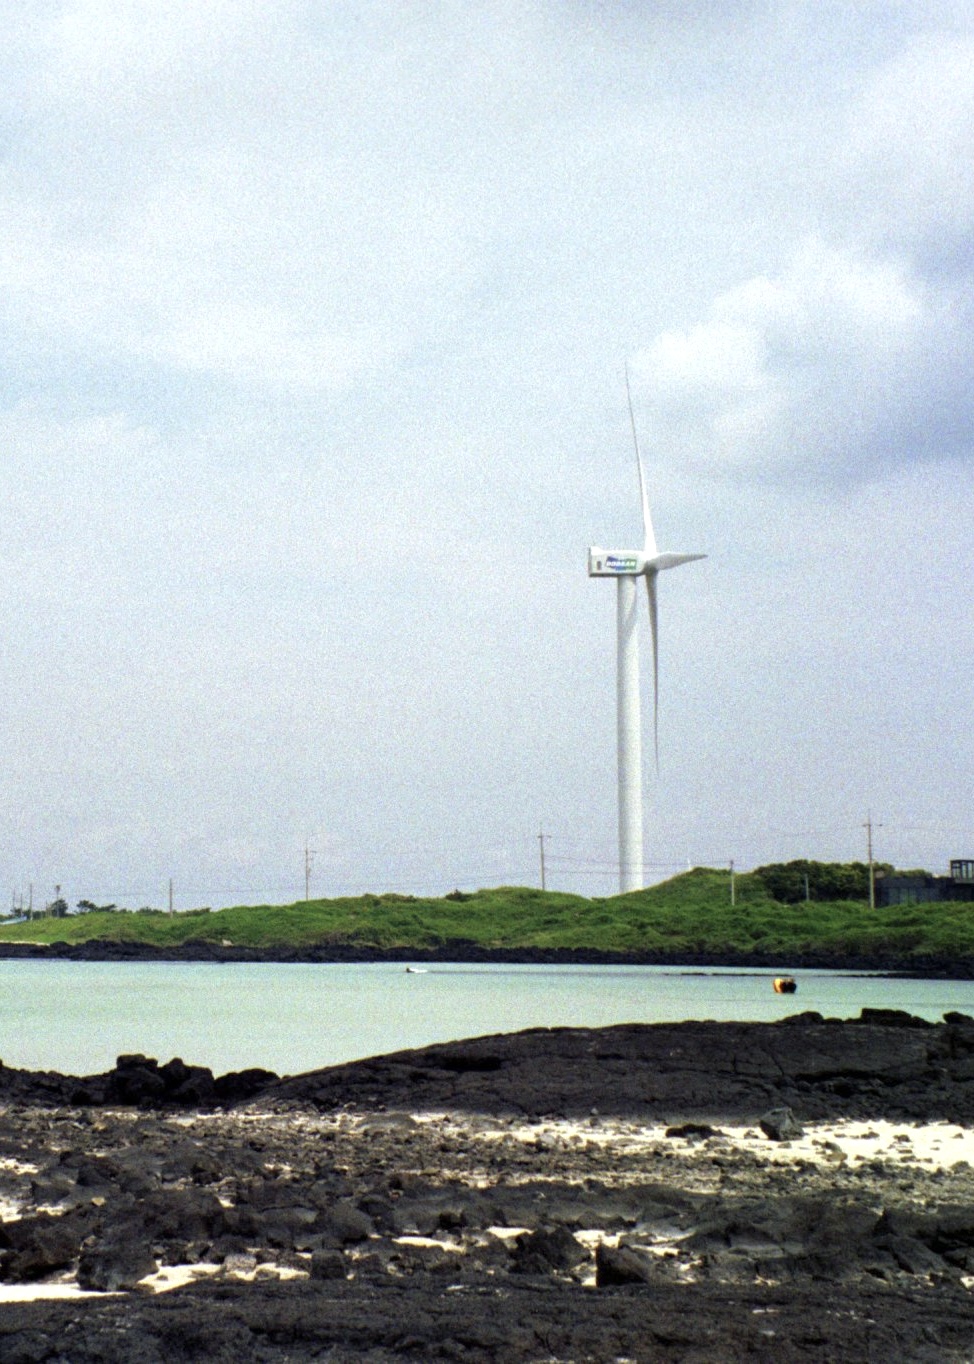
pixel 690 913
pixel 792 882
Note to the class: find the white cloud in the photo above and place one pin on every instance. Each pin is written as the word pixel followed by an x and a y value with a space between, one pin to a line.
pixel 830 369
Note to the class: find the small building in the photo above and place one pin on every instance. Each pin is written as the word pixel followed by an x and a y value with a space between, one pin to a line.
pixel 919 888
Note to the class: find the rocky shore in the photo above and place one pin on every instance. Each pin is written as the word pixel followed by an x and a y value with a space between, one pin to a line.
pixel 802 1190
pixel 917 966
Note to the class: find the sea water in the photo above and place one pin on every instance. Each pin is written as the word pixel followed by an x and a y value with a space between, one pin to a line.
pixel 77 1017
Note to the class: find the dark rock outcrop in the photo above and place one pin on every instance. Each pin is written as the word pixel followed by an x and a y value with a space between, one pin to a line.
pixel 883 1063
pixel 117 1260
pixel 548 1248
pixel 913 965
pixel 689 1071
pixel 431 1206
pixel 616 1265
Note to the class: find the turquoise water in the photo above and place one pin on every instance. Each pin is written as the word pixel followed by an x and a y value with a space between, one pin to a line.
pixel 78 1017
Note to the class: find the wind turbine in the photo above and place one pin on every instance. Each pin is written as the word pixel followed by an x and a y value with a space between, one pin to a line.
pixel 626 565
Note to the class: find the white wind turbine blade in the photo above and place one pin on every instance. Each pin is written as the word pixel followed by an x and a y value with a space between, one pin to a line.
pixel 649 538
pixel 653 564
pixel 654 634
pixel 661 561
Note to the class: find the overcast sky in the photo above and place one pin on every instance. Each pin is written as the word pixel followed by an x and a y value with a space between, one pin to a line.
pixel 314 321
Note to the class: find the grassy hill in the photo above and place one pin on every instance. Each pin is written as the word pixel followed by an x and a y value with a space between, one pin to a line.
pixel 691 913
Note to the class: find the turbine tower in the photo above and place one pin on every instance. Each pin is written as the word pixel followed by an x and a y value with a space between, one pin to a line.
pixel 626 565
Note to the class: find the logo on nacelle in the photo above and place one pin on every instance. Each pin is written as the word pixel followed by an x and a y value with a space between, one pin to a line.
pixel 607 563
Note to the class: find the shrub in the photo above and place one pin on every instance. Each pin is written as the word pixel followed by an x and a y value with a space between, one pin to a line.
pixel 786 881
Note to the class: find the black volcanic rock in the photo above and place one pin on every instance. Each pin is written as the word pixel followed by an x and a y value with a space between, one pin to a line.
pixel 780 1124
pixel 923 966
pixel 433 1205
pixel 616 1265
pixel 32 1247
pixel 238 1085
pixel 548 1248
pixel 118 1260
pixel 671 1072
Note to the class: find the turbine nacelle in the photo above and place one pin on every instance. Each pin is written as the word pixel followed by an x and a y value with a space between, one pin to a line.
pixel 633 563
pixel 616 563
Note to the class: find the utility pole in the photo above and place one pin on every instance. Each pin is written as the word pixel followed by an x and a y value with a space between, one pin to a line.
pixel 733 899
pixel 868 826
pixel 170 895
pixel 541 838
pixel 308 859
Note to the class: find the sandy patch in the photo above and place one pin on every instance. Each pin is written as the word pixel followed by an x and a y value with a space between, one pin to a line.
pixel 32 1292
pixel 937 1145
pixel 163 1281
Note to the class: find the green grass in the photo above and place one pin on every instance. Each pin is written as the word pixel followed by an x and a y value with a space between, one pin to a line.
pixel 690 913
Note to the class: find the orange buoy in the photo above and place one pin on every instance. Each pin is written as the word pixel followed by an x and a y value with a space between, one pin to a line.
pixel 784 985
